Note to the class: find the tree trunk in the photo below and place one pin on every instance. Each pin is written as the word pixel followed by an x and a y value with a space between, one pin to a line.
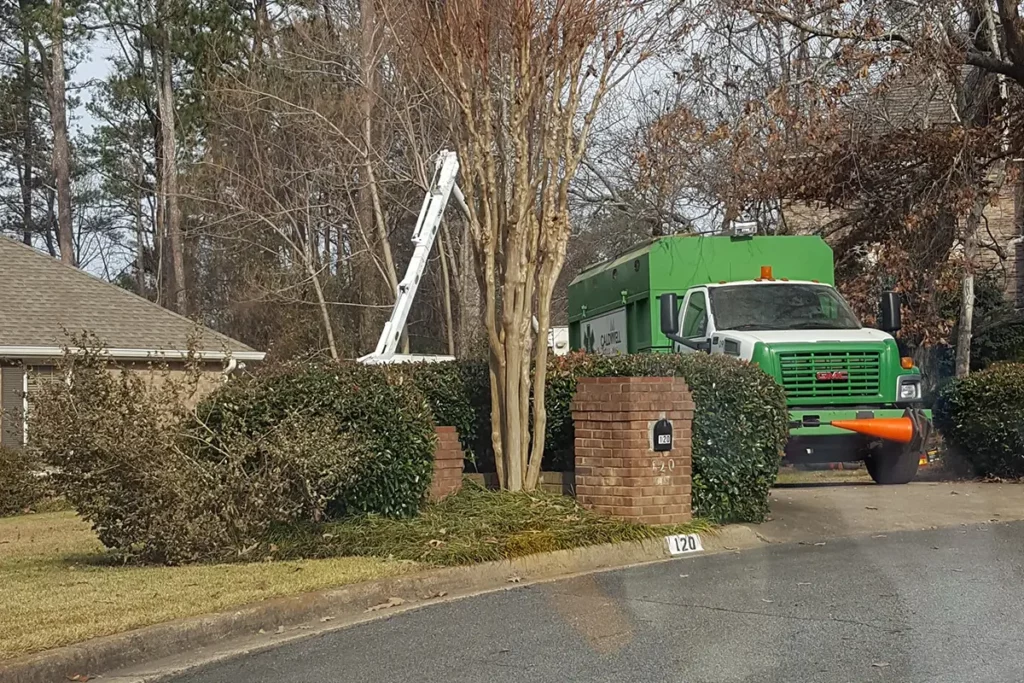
pixel 27 148
pixel 159 222
pixel 965 323
pixel 261 30
pixel 368 63
pixel 446 289
pixel 310 257
pixel 469 299
pixel 51 220
pixel 177 298
pixel 57 96
pixel 140 232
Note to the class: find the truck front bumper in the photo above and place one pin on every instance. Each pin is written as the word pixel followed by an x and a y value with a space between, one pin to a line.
pixel 810 422
pixel 814 439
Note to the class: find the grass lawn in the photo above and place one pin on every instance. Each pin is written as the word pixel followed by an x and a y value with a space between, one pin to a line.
pixel 57 588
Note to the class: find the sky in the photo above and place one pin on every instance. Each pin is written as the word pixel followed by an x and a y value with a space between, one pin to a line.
pixel 95 67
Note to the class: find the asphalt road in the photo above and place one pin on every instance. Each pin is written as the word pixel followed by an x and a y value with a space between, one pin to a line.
pixel 940 605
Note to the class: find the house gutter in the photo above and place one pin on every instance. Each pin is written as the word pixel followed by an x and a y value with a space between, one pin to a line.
pixel 232 357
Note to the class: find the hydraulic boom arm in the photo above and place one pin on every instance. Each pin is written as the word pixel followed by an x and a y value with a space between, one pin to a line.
pixel 423 239
pixel 442 187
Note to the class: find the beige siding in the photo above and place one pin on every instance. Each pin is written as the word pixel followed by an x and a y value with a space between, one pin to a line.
pixel 211 376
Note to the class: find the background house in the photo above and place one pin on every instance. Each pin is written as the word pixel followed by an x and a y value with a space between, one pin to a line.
pixel 43 300
pixel 927 101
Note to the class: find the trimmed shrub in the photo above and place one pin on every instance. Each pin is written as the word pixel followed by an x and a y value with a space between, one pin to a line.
pixel 292 445
pixel 981 418
pixel 740 424
pixel 110 438
pixel 20 485
pixel 378 406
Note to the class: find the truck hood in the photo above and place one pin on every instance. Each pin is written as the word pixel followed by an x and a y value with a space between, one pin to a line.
pixel 865 334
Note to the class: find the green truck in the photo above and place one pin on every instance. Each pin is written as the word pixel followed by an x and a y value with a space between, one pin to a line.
pixel 770 300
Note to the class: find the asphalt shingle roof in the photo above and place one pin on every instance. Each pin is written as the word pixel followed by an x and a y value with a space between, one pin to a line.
pixel 40 298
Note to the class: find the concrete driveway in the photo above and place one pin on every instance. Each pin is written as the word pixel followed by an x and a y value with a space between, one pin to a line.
pixel 810 512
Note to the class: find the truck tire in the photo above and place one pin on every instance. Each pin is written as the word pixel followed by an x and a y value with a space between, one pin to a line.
pixel 892 464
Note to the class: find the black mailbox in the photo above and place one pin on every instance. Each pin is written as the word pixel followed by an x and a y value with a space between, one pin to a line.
pixel 662 435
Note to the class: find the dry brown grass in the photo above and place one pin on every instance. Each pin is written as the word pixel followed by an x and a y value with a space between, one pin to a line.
pixel 58 588
pixel 791 475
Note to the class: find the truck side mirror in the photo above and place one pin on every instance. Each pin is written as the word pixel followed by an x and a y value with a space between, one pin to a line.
pixel 669 314
pixel 889 312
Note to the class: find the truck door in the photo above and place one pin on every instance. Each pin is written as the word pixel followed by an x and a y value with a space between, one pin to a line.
pixel 695 323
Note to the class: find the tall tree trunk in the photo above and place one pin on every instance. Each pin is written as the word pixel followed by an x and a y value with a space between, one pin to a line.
pixel 261 30
pixel 56 92
pixel 159 222
pixel 966 319
pixel 28 144
pixel 51 220
pixel 965 322
pixel 446 289
pixel 309 258
pixel 178 298
pixel 140 231
pixel 469 298
pixel 375 211
pixel 965 329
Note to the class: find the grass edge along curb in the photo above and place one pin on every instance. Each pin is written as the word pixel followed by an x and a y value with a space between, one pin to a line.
pixel 472 526
pixel 343 607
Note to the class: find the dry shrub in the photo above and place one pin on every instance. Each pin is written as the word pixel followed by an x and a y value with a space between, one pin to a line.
pixel 21 485
pixel 162 483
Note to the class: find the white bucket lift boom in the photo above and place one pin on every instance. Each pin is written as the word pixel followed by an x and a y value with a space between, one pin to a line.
pixel 442 186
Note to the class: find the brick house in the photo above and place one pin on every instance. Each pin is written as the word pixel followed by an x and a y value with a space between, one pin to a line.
pixel 42 299
pixel 923 103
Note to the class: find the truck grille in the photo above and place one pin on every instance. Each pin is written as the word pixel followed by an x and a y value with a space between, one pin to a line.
pixel 812 374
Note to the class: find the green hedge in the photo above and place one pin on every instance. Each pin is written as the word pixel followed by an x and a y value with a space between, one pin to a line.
pixel 374 406
pixel 981 418
pixel 458 393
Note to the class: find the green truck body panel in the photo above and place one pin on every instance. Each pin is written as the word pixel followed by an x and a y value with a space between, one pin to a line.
pixel 635 280
pixel 674 264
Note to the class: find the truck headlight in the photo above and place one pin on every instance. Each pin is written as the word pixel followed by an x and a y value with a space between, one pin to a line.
pixel 909 389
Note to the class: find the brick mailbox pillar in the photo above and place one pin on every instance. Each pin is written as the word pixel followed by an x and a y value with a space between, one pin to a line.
pixel 618 471
pixel 448 460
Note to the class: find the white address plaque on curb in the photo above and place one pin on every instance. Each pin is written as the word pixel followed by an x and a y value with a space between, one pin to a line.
pixel 684 543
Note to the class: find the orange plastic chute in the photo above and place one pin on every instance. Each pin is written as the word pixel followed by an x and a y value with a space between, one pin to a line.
pixel 899 429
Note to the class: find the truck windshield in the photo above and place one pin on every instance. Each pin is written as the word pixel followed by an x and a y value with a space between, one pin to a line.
pixel 781 306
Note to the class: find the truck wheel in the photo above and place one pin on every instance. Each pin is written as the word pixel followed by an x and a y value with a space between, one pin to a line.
pixel 892 464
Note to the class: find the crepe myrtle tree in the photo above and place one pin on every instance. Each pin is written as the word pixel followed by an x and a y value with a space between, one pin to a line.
pixel 524 80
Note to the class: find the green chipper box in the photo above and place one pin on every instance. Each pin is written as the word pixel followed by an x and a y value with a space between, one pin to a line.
pixel 770 300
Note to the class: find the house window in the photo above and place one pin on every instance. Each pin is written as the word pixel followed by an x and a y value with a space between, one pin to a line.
pixel 12 406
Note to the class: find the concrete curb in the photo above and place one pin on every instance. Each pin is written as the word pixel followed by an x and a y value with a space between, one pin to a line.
pixel 135 655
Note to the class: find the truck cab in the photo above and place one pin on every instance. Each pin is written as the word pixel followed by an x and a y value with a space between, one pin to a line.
pixel 769 301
